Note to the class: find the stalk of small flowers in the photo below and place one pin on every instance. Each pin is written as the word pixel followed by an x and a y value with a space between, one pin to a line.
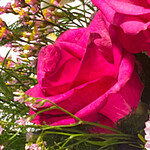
pixel 23 13
pixel 38 20
pixel 6 9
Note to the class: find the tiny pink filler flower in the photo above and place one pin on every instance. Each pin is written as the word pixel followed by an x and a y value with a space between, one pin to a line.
pixel 1 129
pixel 22 121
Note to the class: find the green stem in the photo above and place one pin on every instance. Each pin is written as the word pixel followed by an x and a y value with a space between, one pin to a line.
pixel 83 3
pixel 78 119
pixel 15 77
pixel 116 143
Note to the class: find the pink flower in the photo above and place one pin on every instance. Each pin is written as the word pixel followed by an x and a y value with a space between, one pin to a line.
pixel 147 145
pixel 8 7
pixel 22 121
pixel 1 129
pixel 31 2
pixel 19 96
pixel 29 136
pixel 147 134
pixel 19 99
pixel 87 74
pixel 9 63
pixel 1 147
pixel 34 9
pixel 131 20
pixel 35 147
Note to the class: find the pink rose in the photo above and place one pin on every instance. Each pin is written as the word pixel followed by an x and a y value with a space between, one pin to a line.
pixel 131 20
pixel 88 75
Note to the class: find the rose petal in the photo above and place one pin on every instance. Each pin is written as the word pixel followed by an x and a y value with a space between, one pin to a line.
pixel 74 41
pixel 61 78
pixel 105 9
pixel 130 7
pixel 133 43
pixel 94 61
pixel 130 24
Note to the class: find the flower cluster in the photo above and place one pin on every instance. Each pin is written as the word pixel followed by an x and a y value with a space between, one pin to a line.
pixel 37 24
pixel 7 9
pixel 147 136
pixel 33 147
pixel 4 33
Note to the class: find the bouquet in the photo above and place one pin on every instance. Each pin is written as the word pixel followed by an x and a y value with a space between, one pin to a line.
pixel 80 77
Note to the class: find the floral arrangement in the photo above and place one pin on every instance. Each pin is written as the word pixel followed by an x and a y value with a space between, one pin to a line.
pixel 81 77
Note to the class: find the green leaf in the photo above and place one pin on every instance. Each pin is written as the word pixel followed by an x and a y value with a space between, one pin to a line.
pixel 4 89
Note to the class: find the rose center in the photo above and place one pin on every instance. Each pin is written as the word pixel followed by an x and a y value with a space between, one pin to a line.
pixel 50 60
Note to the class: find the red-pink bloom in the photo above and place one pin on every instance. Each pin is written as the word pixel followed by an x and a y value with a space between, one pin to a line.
pixel 131 20
pixel 88 75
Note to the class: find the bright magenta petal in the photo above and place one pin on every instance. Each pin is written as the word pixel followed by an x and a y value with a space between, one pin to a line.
pixel 94 61
pixel 106 10
pixel 130 7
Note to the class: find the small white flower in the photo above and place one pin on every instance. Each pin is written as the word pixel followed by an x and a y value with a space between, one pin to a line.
pixel 147 134
pixel 19 96
pixel 27 147
pixel 1 147
pixel 31 105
